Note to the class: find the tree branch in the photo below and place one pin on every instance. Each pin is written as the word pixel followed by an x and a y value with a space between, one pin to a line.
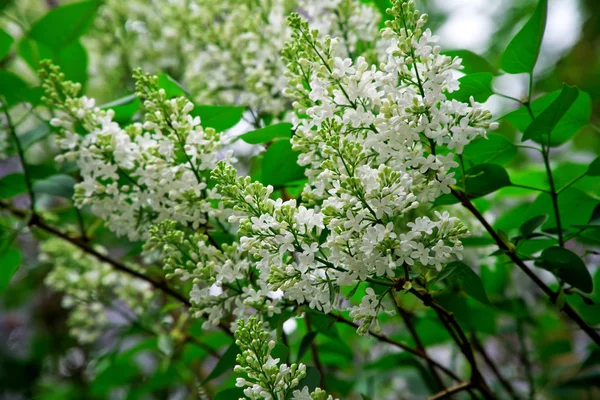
pixel 407 317
pixel 160 285
pixel 510 252
pixel 492 366
pixel 452 390
pixel 403 346
pixel 21 153
pixel 461 340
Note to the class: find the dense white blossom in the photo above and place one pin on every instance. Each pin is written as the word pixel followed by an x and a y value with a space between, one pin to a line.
pixel 136 175
pixel 222 52
pixel 379 143
pixel 224 281
pixel 266 377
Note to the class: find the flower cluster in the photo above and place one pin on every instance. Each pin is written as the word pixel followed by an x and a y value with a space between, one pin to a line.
pixel 379 146
pixel 223 52
pixel 265 378
pixel 135 175
pixel 224 281
pixel 90 288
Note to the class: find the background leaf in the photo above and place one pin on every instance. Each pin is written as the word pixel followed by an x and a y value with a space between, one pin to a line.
pixel 594 168
pixel 6 42
pixel 472 63
pixel 496 149
pixel 478 85
pixel 523 50
pixel 225 364
pixel 268 133
pixel 543 124
pixel 10 260
pixel 57 185
pixel 532 224
pixel 576 117
pixel 468 280
pixel 12 185
pixel 484 179
pixel 63 25
pixel 567 266
pixel 219 118
pixel 279 166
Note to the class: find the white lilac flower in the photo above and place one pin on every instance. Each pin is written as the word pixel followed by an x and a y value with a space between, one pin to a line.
pixel 136 175
pixel 265 377
pixel 222 52
pixel 379 143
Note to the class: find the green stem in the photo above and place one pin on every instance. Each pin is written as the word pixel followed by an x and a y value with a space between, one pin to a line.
pixel 529 187
pixel 21 152
pixel 546 157
pixel 509 97
pixel 572 182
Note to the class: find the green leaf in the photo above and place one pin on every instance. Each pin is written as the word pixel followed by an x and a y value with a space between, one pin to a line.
pixel 10 260
pixel 72 59
pixel 220 118
pixel 532 224
pixel 6 42
pixel 523 50
pixel 484 179
pixel 280 351
pixel 594 168
pixel 312 379
pixel 305 344
pixel 268 133
pixel 63 25
pixel 34 135
pixel 472 63
pixel 124 108
pixel 14 90
pixel 575 208
pixel 226 363
pixel 231 393
pixel 171 86
pixel 279 166
pixel 496 149
pixel 567 266
pixel 478 85
pixel 575 118
pixel 469 313
pixel 468 280
pixel 56 185
pixel 12 185
pixel 543 124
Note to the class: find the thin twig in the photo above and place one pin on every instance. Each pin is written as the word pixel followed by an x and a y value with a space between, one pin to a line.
pixel 21 154
pixel 160 285
pixel 510 252
pixel 459 336
pixel 407 317
pixel 492 366
pixel 403 346
pixel 452 390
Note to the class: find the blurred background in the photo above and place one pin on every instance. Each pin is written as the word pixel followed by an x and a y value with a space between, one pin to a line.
pixel 38 358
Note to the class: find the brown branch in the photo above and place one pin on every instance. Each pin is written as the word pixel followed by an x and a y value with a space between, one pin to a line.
pixel 492 366
pixel 452 390
pixel 407 317
pixel 459 336
pixel 400 345
pixel 160 285
pixel 510 252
